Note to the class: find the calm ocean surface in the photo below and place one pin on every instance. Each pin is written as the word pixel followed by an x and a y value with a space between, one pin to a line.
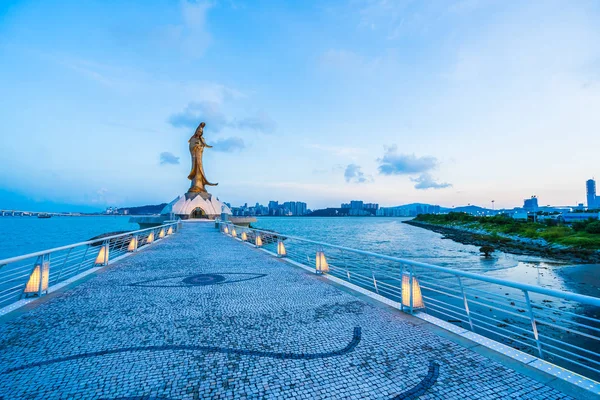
pixel 22 235
pixel 389 236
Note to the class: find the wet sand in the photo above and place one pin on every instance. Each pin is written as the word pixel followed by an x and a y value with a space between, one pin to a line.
pixel 583 279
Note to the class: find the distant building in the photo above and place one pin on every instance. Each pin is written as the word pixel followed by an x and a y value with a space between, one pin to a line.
pixel 582 216
pixel 371 206
pixel 530 204
pixel 273 206
pixel 520 215
pixel 356 205
pixel 592 200
pixel 345 205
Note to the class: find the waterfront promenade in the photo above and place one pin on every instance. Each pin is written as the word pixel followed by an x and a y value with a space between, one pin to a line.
pixel 200 315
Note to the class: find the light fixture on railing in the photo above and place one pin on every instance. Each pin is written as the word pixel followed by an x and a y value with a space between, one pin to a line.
pixel 281 249
pixel 102 258
pixel 258 241
pixel 417 298
pixel 233 232
pixel 170 231
pixel 321 265
pixel 226 230
pixel 133 244
pixel 161 234
pixel 244 236
pixel 40 272
pixel 150 238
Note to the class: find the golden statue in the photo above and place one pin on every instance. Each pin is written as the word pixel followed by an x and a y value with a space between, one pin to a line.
pixel 197 145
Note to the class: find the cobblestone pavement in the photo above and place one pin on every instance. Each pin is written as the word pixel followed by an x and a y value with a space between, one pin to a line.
pixel 200 315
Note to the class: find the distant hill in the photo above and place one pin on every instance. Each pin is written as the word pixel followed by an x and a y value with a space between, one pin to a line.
pixel 329 212
pixel 144 210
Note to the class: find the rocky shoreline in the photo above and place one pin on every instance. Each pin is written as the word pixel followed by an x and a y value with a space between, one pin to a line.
pixel 513 245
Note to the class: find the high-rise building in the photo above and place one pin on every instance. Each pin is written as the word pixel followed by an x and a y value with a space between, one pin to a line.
pixel 301 208
pixel 356 204
pixel 592 200
pixel 530 204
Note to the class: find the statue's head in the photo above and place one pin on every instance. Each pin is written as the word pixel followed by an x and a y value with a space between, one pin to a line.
pixel 200 129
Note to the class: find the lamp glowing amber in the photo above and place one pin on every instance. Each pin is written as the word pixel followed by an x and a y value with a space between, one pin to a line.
pixel 102 258
pixel 170 231
pixel 150 238
pixel 258 241
pixel 244 236
pixel 161 234
pixel 226 230
pixel 281 249
pixel 33 285
pixel 321 263
pixel 417 298
pixel 233 232
pixel 133 244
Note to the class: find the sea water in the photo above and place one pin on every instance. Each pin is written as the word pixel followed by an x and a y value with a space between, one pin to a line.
pixel 23 235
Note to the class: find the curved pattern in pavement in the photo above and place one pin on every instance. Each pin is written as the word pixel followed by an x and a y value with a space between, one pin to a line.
pixel 210 349
pixel 218 278
pixel 423 386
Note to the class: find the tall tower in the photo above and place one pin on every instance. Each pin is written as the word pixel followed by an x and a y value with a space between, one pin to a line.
pixel 592 201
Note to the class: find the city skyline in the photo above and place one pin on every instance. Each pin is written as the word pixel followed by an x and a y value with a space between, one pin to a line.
pixel 445 103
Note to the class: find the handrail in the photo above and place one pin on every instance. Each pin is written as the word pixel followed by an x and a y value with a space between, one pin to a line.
pixel 70 246
pixel 516 318
pixel 33 274
pixel 594 301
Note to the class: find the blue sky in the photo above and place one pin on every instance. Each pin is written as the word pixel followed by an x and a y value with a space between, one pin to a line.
pixel 387 101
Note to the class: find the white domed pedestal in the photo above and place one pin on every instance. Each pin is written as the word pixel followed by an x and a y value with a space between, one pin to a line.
pixel 200 205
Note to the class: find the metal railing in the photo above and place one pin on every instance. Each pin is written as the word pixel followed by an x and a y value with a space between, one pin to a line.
pixel 557 326
pixel 32 274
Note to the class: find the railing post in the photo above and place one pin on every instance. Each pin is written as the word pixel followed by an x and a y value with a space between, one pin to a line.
pixel 410 282
pixel 374 282
pixel 533 324
pixel 401 287
pixel 41 284
pixel 462 289
pixel 83 258
pixel 62 267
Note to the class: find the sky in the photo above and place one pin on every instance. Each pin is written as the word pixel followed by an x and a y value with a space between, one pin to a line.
pixel 393 102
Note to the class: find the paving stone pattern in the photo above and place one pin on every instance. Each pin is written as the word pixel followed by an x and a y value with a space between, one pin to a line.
pixel 268 330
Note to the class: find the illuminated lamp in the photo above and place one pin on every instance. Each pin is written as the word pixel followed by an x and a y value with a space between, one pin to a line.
pixel 133 244
pixel 226 230
pixel 170 231
pixel 161 234
pixel 150 238
pixel 417 298
pixel 321 263
pixel 244 236
pixel 258 241
pixel 281 249
pixel 33 285
pixel 233 232
pixel 102 258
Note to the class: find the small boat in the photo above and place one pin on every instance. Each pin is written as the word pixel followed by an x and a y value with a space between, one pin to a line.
pixel 44 215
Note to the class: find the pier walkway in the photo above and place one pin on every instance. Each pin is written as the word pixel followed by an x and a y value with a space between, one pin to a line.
pixel 200 315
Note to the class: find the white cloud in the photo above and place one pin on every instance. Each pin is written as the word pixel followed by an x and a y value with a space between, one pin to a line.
pixel 191 35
